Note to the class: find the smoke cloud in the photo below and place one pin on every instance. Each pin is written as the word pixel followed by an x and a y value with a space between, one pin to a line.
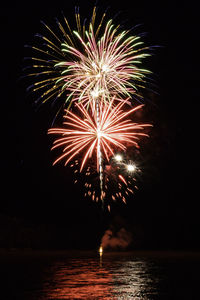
pixel 119 240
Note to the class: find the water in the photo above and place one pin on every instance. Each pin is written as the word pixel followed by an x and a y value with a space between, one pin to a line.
pixel 86 276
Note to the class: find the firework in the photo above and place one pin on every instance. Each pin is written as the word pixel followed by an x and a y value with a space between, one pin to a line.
pixel 83 65
pixel 119 183
pixel 84 135
pixel 96 71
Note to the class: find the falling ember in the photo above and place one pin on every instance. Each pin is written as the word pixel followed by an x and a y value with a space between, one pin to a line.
pixel 122 178
pixel 116 179
pixel 123 199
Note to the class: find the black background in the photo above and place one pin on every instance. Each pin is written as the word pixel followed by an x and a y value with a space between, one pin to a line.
pixel 39 206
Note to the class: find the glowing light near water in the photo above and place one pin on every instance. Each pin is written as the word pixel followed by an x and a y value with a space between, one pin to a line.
pixel 101 250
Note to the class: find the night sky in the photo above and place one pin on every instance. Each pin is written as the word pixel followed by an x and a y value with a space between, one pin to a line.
pixel 40 201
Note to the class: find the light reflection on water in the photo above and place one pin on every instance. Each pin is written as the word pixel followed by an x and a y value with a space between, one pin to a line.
pixel 114 278
pixel 81 275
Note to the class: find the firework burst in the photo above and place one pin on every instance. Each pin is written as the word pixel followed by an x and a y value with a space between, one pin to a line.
pixel 84 134
pixel 83 65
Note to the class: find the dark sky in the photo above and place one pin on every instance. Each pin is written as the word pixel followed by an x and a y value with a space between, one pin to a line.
pixel 165 209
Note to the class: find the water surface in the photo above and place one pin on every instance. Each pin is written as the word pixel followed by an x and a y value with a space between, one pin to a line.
pixel 87 276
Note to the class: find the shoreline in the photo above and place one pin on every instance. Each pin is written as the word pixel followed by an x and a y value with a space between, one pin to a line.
pixel 154 254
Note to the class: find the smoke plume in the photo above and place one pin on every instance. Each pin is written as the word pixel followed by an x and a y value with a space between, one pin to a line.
pixel 119 240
